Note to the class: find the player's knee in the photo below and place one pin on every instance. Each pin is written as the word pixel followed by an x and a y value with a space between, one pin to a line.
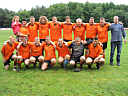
pixel 26 62
pixel 14 57
pixel 6 67
pixel 102 60
pixel 53 61
pixel 60 60
pixel 32 59
pixel 72 62
pixel 41 58
pixel 67 57
pixel 19 58
pixel 89 60
pixel 44 66
pixel 82 59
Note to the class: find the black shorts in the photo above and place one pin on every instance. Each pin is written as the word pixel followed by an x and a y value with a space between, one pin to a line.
pixel 49 63
pixel 42 40
pixel 36 58
pixel 104 45
pixel 67 40
pixel 76 59
pixel 8 61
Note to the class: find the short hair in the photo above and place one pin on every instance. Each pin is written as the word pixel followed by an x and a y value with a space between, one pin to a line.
pixel 102 18
pixel 24 19
pixel 116 17
pixel 67 17
pixel 91 17
pixel 79 20
pixel 32 17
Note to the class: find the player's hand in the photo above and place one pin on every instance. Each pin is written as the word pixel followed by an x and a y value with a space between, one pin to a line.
pixel 125 41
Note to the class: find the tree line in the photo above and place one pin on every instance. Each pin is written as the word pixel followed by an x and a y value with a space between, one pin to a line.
pixel 73 9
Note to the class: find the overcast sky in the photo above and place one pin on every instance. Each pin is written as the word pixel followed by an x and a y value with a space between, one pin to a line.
pixel 16 5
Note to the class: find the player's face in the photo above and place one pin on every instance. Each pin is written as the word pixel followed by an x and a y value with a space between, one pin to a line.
pixel 54 19
pixel 116 20
pixel 32 20
pixel 102 21
pixel 91 21
pixel 68 20
pixel 47 41
pixel 77 42
pixel 79 23
pixel 17 19
pixel 60 42
pixel 95 43
pixel 24 22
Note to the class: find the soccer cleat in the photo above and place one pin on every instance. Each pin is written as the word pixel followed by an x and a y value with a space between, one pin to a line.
pixel 111 63
pixel 14 69
pixel 118 63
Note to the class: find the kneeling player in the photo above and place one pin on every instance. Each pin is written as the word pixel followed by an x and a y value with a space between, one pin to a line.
pixel 7 51
pixel 23 54
pixel 50 57
pixel 77 52
pixel 36 49
pixel 95 55
pixel 63 53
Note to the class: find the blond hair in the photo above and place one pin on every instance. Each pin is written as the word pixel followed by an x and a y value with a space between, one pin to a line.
pixel 13 19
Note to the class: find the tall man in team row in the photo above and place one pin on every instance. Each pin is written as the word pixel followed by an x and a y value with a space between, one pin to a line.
pixel 117 32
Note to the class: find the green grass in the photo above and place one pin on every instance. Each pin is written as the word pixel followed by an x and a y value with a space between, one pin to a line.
pixel 108 81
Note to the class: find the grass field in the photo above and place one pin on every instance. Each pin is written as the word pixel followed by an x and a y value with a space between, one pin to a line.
pixel 108 81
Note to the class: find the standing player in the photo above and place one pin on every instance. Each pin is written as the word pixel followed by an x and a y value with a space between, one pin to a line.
pixel 16 25
pixel 102 30
pixel 67 29
pixel 33 29
pixel 50 56
pixel 91 30
pixel 55 29
pixel 7 51
pixel 79 29
pixel 43 28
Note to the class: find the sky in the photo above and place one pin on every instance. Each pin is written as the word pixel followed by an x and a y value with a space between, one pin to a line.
pixel 16 5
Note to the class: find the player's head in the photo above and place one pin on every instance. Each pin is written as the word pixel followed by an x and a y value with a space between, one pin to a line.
pixel 16 19
pixel 24 22
pixel 37 41
pixel 11 39
pixel 25 42
pixel 77 40
pixel 116 19
pixel 43 20
pixel 54 19
pixel 60 42
pixel 95 42
pixel 78 21
pixel 67 19
pixel 47 40
pixel 32 19
pixel 91 20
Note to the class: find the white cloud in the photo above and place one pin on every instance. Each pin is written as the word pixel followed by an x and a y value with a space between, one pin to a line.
pixel 16 5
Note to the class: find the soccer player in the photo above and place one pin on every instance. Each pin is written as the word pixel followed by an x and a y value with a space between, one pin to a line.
pixel 91 30
pixel 95 54
pixel 16 25
pixel 63 53
pixel 36 49
pixel 23 30
pixel 33 29
pixel 23 54
pixel 117 32
pixel 77 55
pixel 7 51
pixel 43 28
pixel 55 29
pixel 79 29
pixel 50 56
pixel 102 30
pixel 67 29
